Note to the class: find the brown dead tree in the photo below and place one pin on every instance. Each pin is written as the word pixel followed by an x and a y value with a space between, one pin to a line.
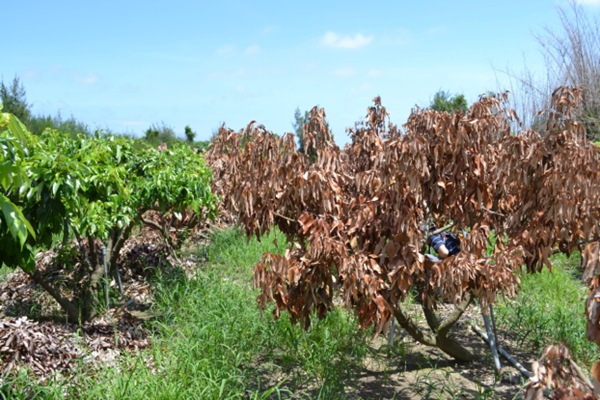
pixel 354 216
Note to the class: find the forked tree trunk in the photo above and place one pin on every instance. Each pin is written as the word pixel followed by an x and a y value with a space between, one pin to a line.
pixel 115 244
pixel 84 304
pixel 438 333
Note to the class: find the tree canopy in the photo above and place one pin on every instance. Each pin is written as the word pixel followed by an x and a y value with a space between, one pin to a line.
pixel 13 99
pixel 444 101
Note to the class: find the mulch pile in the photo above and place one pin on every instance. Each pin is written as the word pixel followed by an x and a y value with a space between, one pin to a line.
pixel 50 347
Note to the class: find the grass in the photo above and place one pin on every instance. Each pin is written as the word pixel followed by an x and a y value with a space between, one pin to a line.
pixel 212 342
pixel 549 309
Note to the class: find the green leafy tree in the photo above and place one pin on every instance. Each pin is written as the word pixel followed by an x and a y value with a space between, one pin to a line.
pixel 92 191
pixel 190 135
pixel 202 145
pixel 71 126
pixel 15 229
pixel 444 101
pixel 13 99
pixel 159 134
pixel 300 120
pixel 151 135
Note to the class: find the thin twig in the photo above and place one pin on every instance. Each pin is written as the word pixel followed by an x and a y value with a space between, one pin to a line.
pixel 284 217
pixel 443 229
pixel 494 212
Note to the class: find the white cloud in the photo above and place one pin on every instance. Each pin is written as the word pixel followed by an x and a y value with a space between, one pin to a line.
pixel 435 30
pixel 374 73
pixel 228 74
pixel 267 30
pixel 332 39
pixel 30 74
pixel 398 37
pixel 363 87
pixel 229 51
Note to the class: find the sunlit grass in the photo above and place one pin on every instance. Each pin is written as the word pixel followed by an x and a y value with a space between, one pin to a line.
pixel 549 309
pixel 212 342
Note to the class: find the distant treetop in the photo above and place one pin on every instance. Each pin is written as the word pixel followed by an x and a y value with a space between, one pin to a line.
pixel 444 101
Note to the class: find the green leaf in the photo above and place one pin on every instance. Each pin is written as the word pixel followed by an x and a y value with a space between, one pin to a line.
pixel 28 262
pixel 55 186
pixel 16 222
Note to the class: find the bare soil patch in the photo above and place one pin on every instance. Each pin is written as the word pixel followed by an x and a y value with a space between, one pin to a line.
pixel 409 370
pixel 405 369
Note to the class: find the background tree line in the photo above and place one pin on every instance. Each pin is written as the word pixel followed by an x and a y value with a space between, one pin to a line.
pixel 571 54
pixel 13 98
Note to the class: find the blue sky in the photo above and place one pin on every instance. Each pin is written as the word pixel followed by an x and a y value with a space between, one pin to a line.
pixel 125 65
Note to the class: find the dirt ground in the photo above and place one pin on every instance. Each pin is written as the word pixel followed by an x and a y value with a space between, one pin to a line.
pixel 409 370
pixel 404 369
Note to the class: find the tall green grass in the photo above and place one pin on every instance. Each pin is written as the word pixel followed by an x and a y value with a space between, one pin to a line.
pixel 212 342
pixel 550 309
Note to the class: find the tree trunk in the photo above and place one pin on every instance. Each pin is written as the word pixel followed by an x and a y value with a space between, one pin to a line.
pixel 448 344
pixel 68 306
pixel 115 245
pixel 89 294
pixel 89 297
pixel 165 233
pixel 84 305
pixel 438 335
pixel 454 349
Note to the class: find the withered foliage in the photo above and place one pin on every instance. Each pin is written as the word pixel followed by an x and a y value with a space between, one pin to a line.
pixel 591 275
pixel 355 216
pixel 556 372
pixel 20 342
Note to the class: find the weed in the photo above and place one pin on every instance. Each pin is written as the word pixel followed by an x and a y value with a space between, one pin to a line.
pixel 550 309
